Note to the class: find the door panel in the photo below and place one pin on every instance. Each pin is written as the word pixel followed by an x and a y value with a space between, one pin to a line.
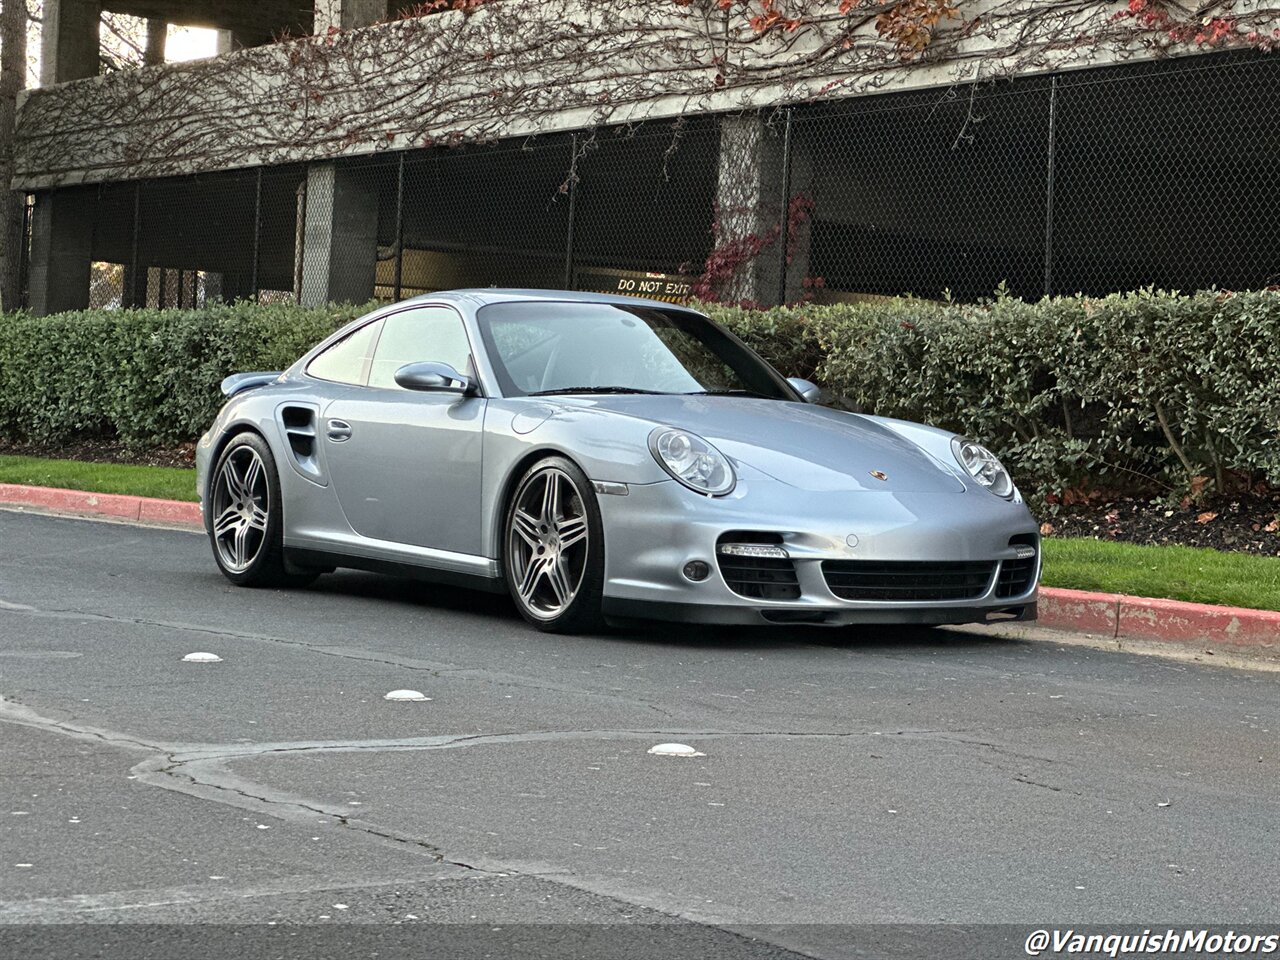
pixel 409 467
pixel 406 464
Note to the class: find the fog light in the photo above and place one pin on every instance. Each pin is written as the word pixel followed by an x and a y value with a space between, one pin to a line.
pixel 761 551
pixel 697 570
pixel 1024 552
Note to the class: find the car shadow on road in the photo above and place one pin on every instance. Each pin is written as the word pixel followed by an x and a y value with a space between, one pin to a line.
pixel 421 594
pixel 869 638
pixel 425 596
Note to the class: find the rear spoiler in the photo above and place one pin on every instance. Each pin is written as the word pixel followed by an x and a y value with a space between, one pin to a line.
pixel 240 382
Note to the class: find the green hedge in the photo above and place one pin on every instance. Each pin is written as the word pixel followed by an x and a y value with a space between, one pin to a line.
pixel 1146 391
pixel 1136 391
pixel 147 377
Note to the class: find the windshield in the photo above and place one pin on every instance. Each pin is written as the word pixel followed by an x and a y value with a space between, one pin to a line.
pixel 541 349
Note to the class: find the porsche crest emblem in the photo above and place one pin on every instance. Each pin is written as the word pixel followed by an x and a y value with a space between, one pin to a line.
pixel 879 474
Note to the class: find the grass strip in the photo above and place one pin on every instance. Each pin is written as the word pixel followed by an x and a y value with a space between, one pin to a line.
pixel 167 483
pixel 1194 574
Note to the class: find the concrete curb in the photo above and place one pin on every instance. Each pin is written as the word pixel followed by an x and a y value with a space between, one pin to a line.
pixel 1101 614
pixel 1140 618
pixel 120 506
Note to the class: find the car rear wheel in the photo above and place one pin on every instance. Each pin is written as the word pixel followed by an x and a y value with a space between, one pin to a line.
pixel 245 519
pixel 554 548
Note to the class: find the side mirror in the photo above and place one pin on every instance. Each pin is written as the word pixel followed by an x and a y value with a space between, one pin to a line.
pixel 432 375
pixel 809 392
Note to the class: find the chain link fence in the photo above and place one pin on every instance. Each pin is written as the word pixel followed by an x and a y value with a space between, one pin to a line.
pixel 1159 173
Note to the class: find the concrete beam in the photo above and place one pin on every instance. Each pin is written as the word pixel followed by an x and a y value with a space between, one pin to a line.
pixel 340 236
pixel 59 138
pixel 69 40
pixel 61 251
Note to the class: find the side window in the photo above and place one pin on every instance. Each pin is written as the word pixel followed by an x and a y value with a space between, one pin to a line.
pixel 347 361
pixel 428 333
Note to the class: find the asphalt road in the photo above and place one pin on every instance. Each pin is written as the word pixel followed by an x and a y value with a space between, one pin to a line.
pixel 850 778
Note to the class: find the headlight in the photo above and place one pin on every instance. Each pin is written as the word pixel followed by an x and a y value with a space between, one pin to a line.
pixel 983 465
pixel 692 461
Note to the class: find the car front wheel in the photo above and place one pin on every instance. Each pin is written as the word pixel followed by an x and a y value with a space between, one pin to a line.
pixel 554 548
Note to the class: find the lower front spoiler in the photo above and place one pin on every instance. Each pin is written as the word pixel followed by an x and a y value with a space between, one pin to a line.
pixel 733 614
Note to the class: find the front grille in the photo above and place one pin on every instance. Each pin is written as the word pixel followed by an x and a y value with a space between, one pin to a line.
pixel 907 580
pixel 760 578
pixel 1015 577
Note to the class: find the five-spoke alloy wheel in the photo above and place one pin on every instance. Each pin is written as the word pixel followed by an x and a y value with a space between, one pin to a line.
pixel 554 549
pixel 243 517
pixel 240 506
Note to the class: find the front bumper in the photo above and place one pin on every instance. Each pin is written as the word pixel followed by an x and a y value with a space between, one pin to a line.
pixel 747 615
pixel 658 528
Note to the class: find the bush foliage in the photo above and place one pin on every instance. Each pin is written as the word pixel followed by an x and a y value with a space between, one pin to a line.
pixel 1140 391
pixel 147 377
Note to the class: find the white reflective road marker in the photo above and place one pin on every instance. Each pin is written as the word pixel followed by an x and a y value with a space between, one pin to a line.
pixel 405 696
pixel 199 657
pixel 674 750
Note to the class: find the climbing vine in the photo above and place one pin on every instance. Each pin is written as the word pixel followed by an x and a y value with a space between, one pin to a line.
pixel 476 71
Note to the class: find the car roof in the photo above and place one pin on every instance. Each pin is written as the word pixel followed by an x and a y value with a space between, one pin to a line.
pixel 483 296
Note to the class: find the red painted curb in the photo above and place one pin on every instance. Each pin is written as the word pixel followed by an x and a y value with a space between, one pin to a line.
pixel 125 507
pixel 1140 618
pixel 1171 620
pixel 170 511
pixel 1079 610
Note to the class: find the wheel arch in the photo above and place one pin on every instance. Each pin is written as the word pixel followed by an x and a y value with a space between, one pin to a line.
pixel 230 433
pixel 517 470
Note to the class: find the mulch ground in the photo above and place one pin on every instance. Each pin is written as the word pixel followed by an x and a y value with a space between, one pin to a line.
pixel 105 451
pixel 1248 523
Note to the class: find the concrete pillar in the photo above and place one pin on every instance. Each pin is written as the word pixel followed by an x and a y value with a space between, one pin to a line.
pixel 157 38
pixel 69 40
pixel 752 209
pixel 61 251
pixel 801 189
pixel 229 41
pixel 340 235
pixel 345 14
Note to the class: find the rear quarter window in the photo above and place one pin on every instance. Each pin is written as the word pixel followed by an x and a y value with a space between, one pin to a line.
pixel 347 361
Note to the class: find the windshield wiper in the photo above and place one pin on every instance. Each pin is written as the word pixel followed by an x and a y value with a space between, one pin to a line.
pixel 728 393
pixel 547 393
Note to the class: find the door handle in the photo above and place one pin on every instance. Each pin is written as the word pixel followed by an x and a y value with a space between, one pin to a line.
pixel 339 430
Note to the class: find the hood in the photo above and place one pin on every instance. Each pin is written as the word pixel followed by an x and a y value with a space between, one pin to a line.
pixel 804 446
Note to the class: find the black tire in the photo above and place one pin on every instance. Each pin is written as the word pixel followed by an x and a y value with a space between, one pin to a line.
pixel 245 520
pixel 552 542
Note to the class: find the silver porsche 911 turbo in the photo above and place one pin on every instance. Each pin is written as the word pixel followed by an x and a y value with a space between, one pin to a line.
pixel 604 458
